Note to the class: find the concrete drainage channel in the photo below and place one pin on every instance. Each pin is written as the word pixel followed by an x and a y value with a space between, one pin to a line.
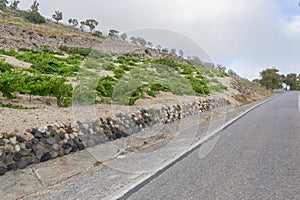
pixel 74 168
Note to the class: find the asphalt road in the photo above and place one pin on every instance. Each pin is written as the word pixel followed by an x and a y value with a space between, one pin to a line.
pixel 257 157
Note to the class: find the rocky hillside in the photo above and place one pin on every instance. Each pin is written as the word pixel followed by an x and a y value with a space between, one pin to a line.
pixel 19 35
pixel 68 90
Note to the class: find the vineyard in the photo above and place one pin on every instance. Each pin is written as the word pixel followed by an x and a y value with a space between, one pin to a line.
pixel 126 78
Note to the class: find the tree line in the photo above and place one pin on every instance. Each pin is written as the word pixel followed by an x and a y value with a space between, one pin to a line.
pixel 272 79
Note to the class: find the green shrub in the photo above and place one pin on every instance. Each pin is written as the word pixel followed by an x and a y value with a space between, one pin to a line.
pixel 8 52
pixel 187 69
pixel 14 106
pixel 22 49
pixel 198 85
pixel 99 54
pixel 119 73
pixel 168 62
pixel 125 67
pixel 4 67
pixel 76 50
pixel 108 66
pixel 84 93
pixel 158 87
pixel 34 17
pixel 97 34
pixel 219 87
pixel 105 86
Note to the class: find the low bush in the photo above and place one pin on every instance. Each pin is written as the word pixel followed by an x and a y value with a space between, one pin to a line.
pixel 105 86
pixel 76 50
pixel 14 106
pixel 34 17
pixel 119 73
pixel 108 66
pixel 4 67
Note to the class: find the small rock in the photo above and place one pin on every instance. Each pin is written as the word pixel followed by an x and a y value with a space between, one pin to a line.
pixel 3 159
pixel 22 145
pixel 2 143
pixel 85 126
pixel 1 135
pixel 67 151
pixel 53 154
pixel 35 141
pixel 3 170
pixel 80 133
pixel 34 131
pixel 9 148
pixel 28 145
pixel 52 140
pixel 75 134
pixel 67 136
pixel 36 160
pixel 43 140
pixel 65 146
pixel 120 115
pixel 71 142
pixel 74 148
pixel 38 135
pixel 81 146
pixel 17 156
pixel 17 148
pixel 24 163
pixel 24 152
pixel 56 147
pixel 13 140
pixel 20 139
pixel 57 125
pixel 52 132
pixel 46 156
pixel 74 125
pixel 34 150
pixel 42 129
pixel 12 166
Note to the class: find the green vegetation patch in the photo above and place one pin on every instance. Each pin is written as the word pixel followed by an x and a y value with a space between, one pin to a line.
pixel 15 106
pixel 76 50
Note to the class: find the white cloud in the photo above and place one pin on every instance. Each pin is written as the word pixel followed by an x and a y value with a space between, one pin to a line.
pixel 292 27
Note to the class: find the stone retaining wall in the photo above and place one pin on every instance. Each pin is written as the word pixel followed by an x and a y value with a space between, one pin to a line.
pixel 56 140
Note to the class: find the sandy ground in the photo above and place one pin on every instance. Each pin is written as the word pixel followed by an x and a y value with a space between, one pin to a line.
pixel 16 121
pixel 15 62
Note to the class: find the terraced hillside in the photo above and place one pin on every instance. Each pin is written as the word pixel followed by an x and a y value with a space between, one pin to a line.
pixel 45 68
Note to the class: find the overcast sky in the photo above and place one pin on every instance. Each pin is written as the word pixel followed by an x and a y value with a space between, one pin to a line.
pixel 244 35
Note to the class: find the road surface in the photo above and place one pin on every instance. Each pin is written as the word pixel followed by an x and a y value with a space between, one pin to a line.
pixel 257 157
